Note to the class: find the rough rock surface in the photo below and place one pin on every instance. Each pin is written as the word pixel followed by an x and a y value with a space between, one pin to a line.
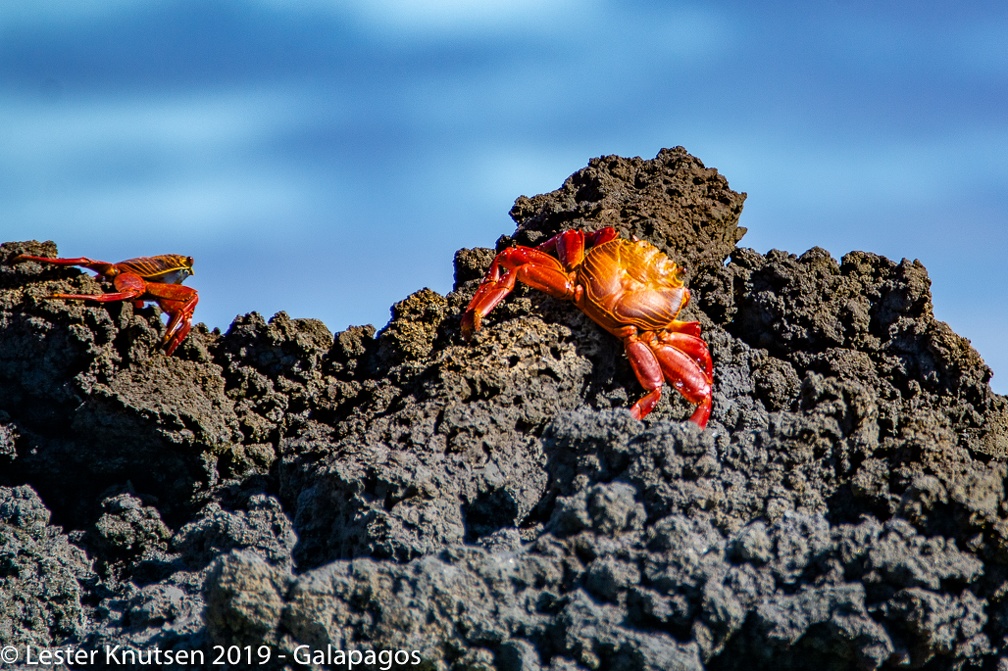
pixel 493 504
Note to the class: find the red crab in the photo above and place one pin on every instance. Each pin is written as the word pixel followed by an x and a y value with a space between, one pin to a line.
pixel 147 278
pixel 629 288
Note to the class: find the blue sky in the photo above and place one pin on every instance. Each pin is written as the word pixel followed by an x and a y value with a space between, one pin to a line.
pixel 327 158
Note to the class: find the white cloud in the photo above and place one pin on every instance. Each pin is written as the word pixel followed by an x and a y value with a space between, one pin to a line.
pixel 436 18
pixel 199 163
pixel 39 132
pixel 457 14
pixel 196 206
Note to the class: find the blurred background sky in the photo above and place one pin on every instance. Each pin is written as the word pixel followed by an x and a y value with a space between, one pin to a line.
pixel 327 157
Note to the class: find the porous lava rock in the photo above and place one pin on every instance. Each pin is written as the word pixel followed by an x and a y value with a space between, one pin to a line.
pixel 493 504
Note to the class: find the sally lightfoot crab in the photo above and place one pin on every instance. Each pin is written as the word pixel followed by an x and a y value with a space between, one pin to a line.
pixel 629 288
pixel 144 279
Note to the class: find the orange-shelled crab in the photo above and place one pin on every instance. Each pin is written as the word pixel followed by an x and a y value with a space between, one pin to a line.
pixel 155 279
pixel 629 288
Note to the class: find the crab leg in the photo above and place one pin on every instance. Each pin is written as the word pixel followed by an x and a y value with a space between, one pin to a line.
pixel 690 328
pixel 570 245
pixel 680 358
pixel 532 266
pixel 686 363
pixel 685 374
pixel 100 267
pixel 180 303
pixel 130 287
pixel 691 345
pixel 648 370
pixel 177 301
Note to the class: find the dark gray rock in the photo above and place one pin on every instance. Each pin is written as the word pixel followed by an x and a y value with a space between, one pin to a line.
pixel 44 579
pixel 493 504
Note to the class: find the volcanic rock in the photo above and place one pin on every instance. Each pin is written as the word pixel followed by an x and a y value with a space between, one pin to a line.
pixel 406 495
